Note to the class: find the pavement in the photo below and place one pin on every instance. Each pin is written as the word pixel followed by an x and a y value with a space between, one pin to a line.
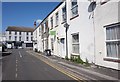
pixel 93 73
pixel 22 66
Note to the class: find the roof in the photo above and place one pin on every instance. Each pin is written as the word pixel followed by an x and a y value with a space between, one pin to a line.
pixel 21 29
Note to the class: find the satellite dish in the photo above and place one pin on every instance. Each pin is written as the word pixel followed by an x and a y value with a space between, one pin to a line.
pixel 92 6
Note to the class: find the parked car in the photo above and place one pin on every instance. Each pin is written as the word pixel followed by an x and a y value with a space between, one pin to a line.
pixel 20 47
pixel 4 48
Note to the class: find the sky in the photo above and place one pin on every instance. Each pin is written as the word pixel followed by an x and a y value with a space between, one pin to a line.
pixel 25 13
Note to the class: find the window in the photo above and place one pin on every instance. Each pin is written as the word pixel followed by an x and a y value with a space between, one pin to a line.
pixel 75 43
pixel 64 16
pixel 19 33
pixel 15 33
pixel 74 8
pixel 9 32
pixel 27 33
pixel 31 33
pixel 51 22
pixel 57 18
pixel 15 38
pixel 27 38
pixel 39 31
pixel 113 40
pixel 19 38
pixel 9 37
pixel 31 38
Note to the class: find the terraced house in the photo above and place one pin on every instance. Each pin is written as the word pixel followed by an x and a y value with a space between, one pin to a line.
pixel 19 37
pixel 89 29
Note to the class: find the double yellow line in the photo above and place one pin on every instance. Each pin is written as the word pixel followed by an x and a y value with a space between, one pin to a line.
pixel 61 70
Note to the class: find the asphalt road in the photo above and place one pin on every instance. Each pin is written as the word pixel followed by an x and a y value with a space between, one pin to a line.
pixel 20 65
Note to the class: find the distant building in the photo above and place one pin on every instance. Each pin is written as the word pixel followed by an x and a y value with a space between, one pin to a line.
pixel 2 37
pixel 19 37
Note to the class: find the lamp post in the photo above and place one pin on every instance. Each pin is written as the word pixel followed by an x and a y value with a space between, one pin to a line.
pixel 66 26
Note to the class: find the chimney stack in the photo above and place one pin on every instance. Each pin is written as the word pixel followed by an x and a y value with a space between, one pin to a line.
pixel 35 24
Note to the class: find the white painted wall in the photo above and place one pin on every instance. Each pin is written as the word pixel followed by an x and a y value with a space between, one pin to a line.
pixel 84 26
pixel 60 31
pixel 23 36
pixel 104 15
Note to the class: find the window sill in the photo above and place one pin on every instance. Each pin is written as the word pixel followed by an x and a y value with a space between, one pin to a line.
pixel 51 28
pixel 112 60
pixel 75 54
pixel 56 26
pixel 63 22
pixel 74 17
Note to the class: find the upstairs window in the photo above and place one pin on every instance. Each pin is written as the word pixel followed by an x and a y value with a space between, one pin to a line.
pixel 27 38
pixel 27 33
pixel 74 8
pixel 64 15
pixel 57 18
pixel 51 22
pixel 19 33
pixel 9 32
pixel 31 38
pixel 15 33
pixel 31 33
pixel 19 38
pixel 15 38
pixel 9 37
pixel 113 40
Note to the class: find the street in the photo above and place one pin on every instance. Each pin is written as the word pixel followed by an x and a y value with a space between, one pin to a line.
pixel 20 65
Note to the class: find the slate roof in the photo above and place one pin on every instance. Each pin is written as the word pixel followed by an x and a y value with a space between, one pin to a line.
pixel 21 29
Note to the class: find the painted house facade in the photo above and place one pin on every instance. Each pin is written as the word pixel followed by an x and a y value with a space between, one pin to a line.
pixel 107 34
pixel 86 36
pixel 19 37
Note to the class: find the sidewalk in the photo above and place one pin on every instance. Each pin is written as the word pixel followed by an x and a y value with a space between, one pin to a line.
pixel 93 72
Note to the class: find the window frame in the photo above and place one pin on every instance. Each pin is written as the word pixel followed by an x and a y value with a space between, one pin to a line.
pixel 72 8
pixel 15 38
pixel 10 32
pixel 15 32
pixel 20 38
pixel 113 42
pixel 64 14
pixel 27 33
pixel 20 33
pixel 9 37
pixel 51 22
pixel 27 38
pixel 57 18
pixel 76 43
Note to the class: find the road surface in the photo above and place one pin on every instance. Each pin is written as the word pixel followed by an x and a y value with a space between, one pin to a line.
pixel 20 65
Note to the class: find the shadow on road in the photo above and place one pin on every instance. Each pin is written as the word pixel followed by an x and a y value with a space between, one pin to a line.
pixel 5 53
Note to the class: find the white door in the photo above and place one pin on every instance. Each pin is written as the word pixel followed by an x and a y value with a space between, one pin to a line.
pixel 62 47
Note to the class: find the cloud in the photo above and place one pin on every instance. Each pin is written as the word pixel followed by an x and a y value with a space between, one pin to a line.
pixel 38 21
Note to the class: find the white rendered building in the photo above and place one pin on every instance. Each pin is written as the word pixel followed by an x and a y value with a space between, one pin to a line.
pixel 19 37
pixel 88 22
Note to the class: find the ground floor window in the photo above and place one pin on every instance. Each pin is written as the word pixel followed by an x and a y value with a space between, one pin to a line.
pixel 29 44
pixel 75 43
pixel 113 40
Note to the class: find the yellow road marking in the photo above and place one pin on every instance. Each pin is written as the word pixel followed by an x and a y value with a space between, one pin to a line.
pixel 62 71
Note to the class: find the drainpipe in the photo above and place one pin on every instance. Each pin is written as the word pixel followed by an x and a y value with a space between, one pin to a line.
pixel 66 29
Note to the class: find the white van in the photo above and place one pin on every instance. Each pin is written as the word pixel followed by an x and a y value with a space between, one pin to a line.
pixel 9 46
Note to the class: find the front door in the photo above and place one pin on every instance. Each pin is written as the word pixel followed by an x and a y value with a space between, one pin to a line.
pixel 62 47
